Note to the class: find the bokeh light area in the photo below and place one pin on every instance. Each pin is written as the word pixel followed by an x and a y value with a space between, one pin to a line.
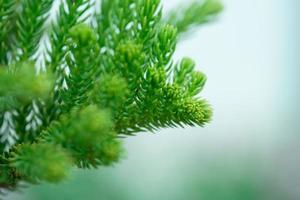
pixel 250 151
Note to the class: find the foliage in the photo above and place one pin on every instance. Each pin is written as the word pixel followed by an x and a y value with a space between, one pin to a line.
pixel 105 73
pixel 195 14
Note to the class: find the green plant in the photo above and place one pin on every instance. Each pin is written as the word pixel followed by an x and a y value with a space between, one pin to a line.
pixel 72 85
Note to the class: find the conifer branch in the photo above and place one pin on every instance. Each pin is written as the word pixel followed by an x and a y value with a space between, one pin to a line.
pixel 111 74
pixel 30 21
pixel 7 22
pixel 196 13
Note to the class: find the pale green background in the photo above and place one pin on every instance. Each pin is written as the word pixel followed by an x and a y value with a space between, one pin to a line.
pixel 250 151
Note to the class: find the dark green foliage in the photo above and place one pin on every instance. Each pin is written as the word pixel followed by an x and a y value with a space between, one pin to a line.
pixel 29 26
pixel 82 62
pixel 7 21
pixel 103 82
pixel 66 20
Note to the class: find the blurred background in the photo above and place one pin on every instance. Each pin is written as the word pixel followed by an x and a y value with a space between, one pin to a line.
pixel 250 151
